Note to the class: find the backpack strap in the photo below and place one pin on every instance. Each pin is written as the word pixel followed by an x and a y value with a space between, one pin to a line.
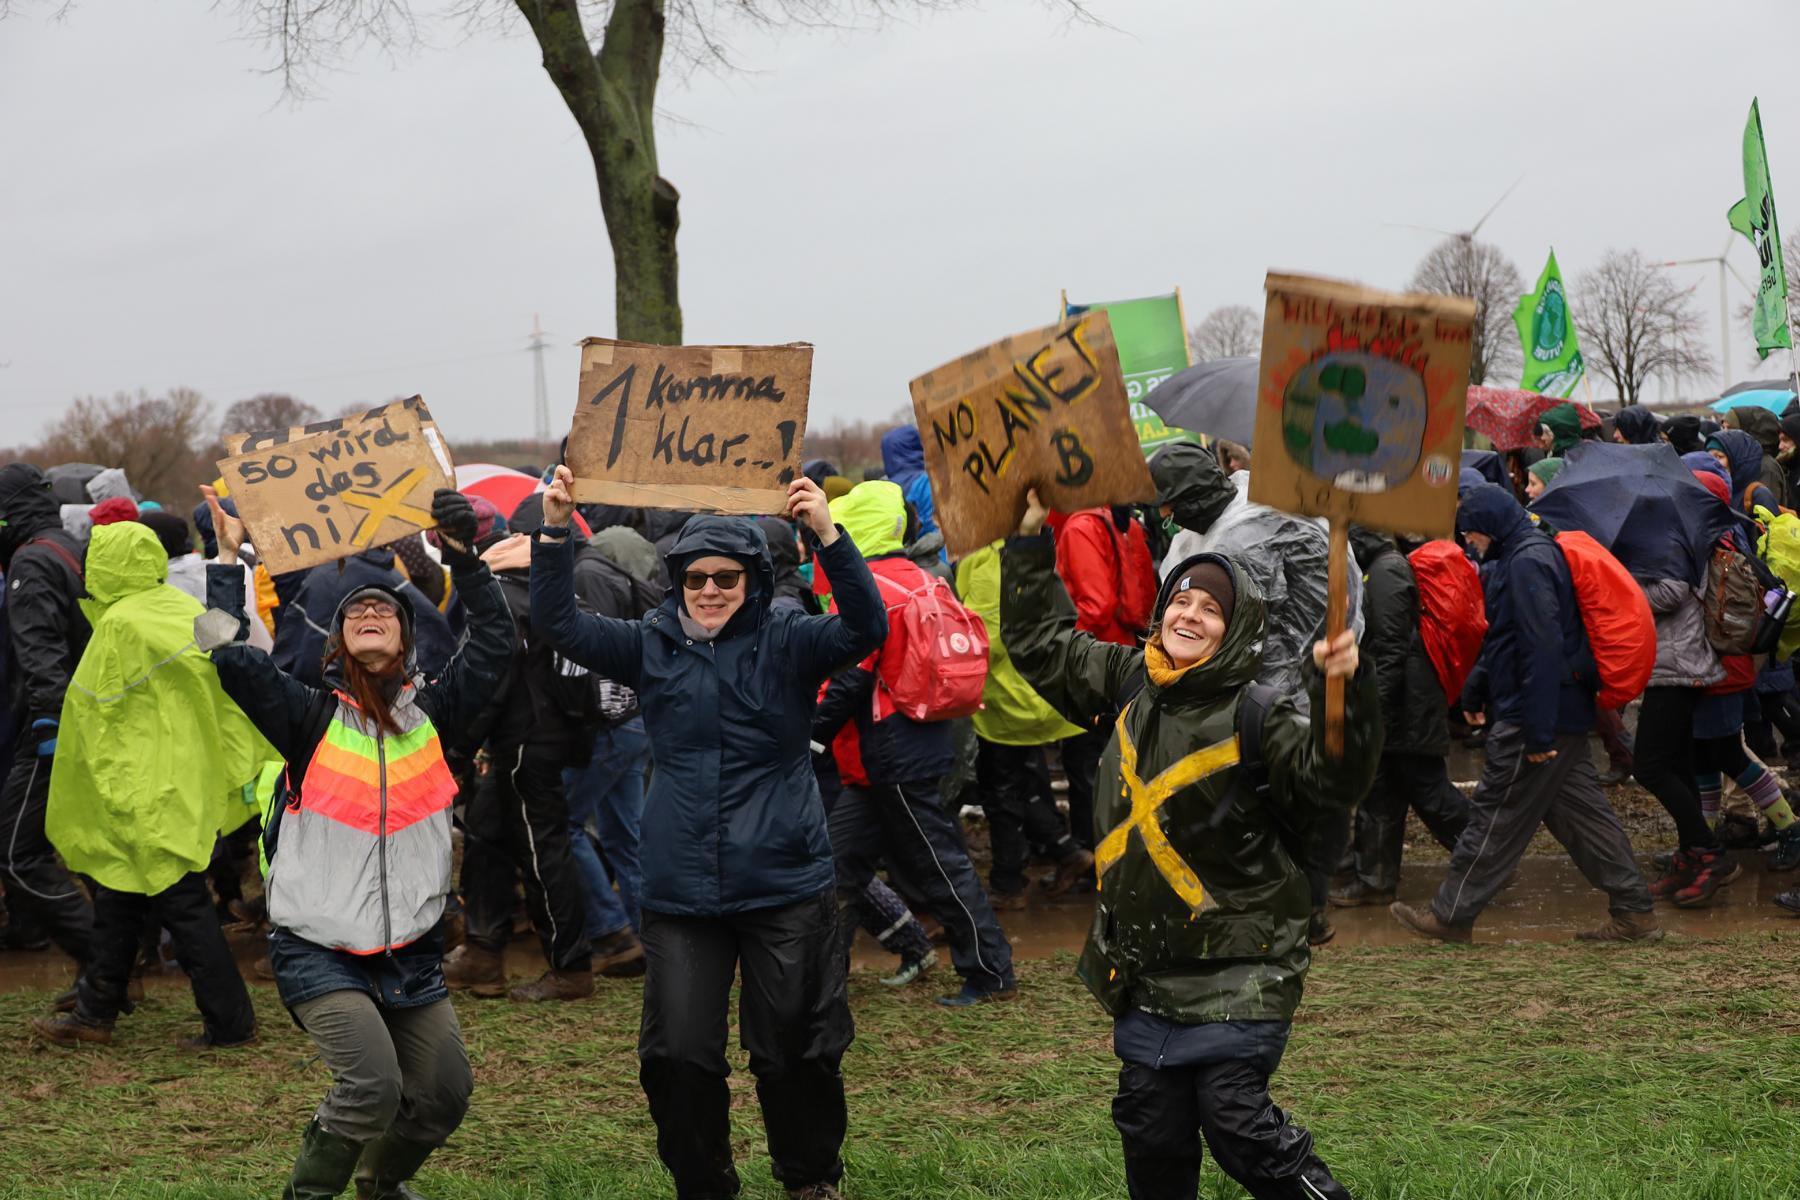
pixel 60 553
pixel 1253 711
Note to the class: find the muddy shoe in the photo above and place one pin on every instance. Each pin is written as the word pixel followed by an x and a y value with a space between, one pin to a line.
pixel 1787 849
pixel 619 955
pixel 64 1002
pixel 1679 872
pixel 815 1191
pixel 1625 927
pixel 971 996
pixel 204 1041
pixel 1738 832
pixel 1425 923
pixel 911 969
pixel 72 1029
pixel 1070 872
pixel 482 972
pixel 1017 901
pixel 1789 900
pixel 557 985
pixel 1712 871
pixel 1319 928
pixel 1357 894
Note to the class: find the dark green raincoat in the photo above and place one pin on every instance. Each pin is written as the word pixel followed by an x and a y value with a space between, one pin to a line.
pixel 1196 921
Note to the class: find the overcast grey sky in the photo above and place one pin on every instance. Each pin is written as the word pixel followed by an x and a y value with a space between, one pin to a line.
pixel 896 197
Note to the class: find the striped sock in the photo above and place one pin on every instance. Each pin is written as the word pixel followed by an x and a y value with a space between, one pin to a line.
pixel 1766 793
pixel 1712 788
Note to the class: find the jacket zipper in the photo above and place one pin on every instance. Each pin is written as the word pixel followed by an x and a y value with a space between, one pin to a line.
pixel 387 916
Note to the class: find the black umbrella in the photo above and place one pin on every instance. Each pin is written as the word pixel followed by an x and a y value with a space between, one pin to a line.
pixel 1784 384
pixel 1217 398
pixel 1643 504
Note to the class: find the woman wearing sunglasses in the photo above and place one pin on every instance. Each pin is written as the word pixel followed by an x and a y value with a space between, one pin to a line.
pixel 358 850
pixel 737 866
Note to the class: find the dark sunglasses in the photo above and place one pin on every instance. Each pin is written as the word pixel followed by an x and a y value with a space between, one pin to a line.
pixel 694 581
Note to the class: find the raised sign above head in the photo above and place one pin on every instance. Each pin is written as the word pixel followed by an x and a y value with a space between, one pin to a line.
pixel 700 427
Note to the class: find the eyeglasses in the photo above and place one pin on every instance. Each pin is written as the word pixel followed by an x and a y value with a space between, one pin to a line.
pixel 372 608
pixel 694 581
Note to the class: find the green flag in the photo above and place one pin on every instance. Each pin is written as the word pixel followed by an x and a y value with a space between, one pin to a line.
pixel 1754 217
pixel 1553 363
pixel 1153 345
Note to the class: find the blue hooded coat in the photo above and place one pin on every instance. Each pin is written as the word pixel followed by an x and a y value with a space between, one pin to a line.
pixel 1536 670
pixel 1745 455
pixel 903 458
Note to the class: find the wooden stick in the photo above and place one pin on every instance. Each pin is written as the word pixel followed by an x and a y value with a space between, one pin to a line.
pixel 1336 613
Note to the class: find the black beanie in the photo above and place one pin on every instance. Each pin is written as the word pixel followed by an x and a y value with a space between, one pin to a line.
pixel 1211 578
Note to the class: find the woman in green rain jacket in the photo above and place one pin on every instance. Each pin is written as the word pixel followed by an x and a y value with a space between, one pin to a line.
pixel 150 766
pixel 1198 947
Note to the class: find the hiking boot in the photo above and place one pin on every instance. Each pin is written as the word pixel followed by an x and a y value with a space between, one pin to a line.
pixel 1017 901
pixel 387 1164
pixel 134 996
pixel 1070 872
pixel 1789 899
pixel 1625 927
pixel 557 985
pixel 204 1040
pixel 1425 923
pixel 1676 875
pixel 1738 832
pixel 324 1165
pixel 911 969
pixel 815 1191
pixel 1319 929
pixel 1357 894
pixel 476 968
pixel 72 1029
pixel 1787 849
pixel 619 955
pixel 972 995
pixel 1713 869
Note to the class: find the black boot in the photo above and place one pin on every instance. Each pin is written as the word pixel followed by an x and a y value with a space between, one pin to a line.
pixel 324 1166
pixel 387 1163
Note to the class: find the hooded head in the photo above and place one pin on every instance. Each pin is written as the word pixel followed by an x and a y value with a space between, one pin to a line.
pixel 1564 423
pixel 711 544
pixel 819 470
pixel 1743 457
pixel 374 625
pixel 1542 472
pixel 1714 482
pixel 1489 518
pixel 112 511
pixel 123 559
pixel 26 506
pixel 1790 429
pixel 1205 593
pixel 874 515
pixel 1702 462
pixel 1191 484
pixel 1684 434
pixel 1760 424
pixel 170 530
pixel 1636 425
pixel 902 453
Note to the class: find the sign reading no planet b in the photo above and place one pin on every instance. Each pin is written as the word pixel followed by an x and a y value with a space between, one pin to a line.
pixel 1045 410
pixel 716 428
pixel 316 493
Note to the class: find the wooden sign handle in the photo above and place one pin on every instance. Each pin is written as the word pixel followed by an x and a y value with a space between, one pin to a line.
pixel 1336 614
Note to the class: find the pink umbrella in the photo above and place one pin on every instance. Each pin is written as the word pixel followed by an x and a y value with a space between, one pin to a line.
pixel 1508 417
pixel 503 487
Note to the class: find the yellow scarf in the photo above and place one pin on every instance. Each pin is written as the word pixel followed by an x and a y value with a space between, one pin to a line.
pixel 1161 668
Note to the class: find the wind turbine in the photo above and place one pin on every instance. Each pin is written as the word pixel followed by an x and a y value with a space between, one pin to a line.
pixel 1724 300
pixel 1467 236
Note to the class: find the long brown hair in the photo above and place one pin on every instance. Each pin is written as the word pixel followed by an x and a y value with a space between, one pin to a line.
pixel 366 687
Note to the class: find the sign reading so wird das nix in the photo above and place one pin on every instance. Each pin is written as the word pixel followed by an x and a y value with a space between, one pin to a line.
pixel 316 493
pixel 691 427
pixel 1043 409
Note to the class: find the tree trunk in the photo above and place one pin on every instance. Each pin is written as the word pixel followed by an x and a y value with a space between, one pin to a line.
pixel 612 96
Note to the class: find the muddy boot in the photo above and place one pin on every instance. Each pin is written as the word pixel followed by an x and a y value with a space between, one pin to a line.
pixel 1357 894
pixel 1713 869
pixel 1677 875
pixel 388 1163
pixel 1625 927
pixel 619 955
pixel 324 1166
pixel 1425 923
pixel 1070 872
pixel 1319 928
pixel 482 972
pixel 72 1029
pixel 557 985
pixel 815 1191
pixel 1787 849
pixel 1009 901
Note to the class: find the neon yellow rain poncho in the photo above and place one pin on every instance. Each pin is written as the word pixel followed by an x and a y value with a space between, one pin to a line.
pixel 151 758
pixel 1011 712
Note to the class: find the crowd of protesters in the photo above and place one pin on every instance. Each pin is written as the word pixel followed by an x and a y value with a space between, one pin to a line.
pixel 696 748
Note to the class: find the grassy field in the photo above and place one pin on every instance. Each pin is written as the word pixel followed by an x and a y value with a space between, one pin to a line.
pixel 1516 1072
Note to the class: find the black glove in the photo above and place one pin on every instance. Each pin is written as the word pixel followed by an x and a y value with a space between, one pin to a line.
pixel 455 518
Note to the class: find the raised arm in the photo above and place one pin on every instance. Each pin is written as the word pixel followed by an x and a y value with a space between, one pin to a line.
pixel 821 645
pixel 611 647
pixel 1303 778
pixel 283 709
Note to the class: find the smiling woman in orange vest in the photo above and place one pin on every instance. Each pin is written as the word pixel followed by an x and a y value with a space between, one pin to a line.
pixel 358 846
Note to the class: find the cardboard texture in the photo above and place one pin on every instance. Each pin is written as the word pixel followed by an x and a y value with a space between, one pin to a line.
pixel 317 493
pixel 1360 404
pixel 1043 409
pixel 711 428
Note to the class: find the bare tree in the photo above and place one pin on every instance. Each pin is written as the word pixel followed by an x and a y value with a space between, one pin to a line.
pixel 1635 322
pixel 270 410
pixel 1462 266
pixel 1229 331
pixel 159 441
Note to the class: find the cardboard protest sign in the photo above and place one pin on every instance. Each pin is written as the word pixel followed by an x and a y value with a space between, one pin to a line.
pixel 1043 409
pixel 1360 404
pixel 700 427
pixel 316 493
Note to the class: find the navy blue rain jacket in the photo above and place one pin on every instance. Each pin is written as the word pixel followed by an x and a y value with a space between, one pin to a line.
pixel 733 820
pixel 1746 455
pixel 1536 670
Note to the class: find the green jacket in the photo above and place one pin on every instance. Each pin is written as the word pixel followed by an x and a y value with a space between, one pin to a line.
pixel 1011 713
pixel 1196 921
pixel 151 758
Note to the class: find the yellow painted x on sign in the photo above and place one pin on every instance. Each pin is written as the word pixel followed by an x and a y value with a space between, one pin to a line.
pixel 1148 798
pixel 390 503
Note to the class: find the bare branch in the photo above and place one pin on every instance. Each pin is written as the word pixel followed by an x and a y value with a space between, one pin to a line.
pixel 1230 331
pixel 1460 266
pixel 1636 323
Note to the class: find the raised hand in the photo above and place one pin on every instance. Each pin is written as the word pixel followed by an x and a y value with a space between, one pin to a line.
pixel 1035 515
pixel 807 504
pixel 559 498
pixel 229 530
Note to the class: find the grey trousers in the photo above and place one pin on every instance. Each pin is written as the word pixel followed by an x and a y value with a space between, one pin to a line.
pixel 403 1069
pixel 1513 797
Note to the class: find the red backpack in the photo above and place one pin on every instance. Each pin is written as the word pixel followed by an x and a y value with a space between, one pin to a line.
pixel 1620 630
pixel 1452 615
pixel 935 661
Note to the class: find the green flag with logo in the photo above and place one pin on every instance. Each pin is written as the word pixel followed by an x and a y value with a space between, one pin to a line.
pixel 1553 363
pixel 1153 345
pixel 1754 217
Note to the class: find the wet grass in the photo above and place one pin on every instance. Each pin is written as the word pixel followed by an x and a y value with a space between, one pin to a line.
pixel 1530 1072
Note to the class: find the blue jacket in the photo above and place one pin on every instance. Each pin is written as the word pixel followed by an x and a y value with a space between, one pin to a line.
pixel 733 819
pixel 1746 455
pixel 903 458
pixel 1536 670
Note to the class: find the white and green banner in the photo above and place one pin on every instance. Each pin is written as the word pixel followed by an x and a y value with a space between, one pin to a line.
pixel 1553 363
pixel 1153 345
pixel 1754 217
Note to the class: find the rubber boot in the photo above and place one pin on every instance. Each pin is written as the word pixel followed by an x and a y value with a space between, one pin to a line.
pixel 324 1167
pixel 387 1164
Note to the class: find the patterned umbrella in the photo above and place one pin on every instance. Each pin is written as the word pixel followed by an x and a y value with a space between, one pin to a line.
pixel 1508 417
